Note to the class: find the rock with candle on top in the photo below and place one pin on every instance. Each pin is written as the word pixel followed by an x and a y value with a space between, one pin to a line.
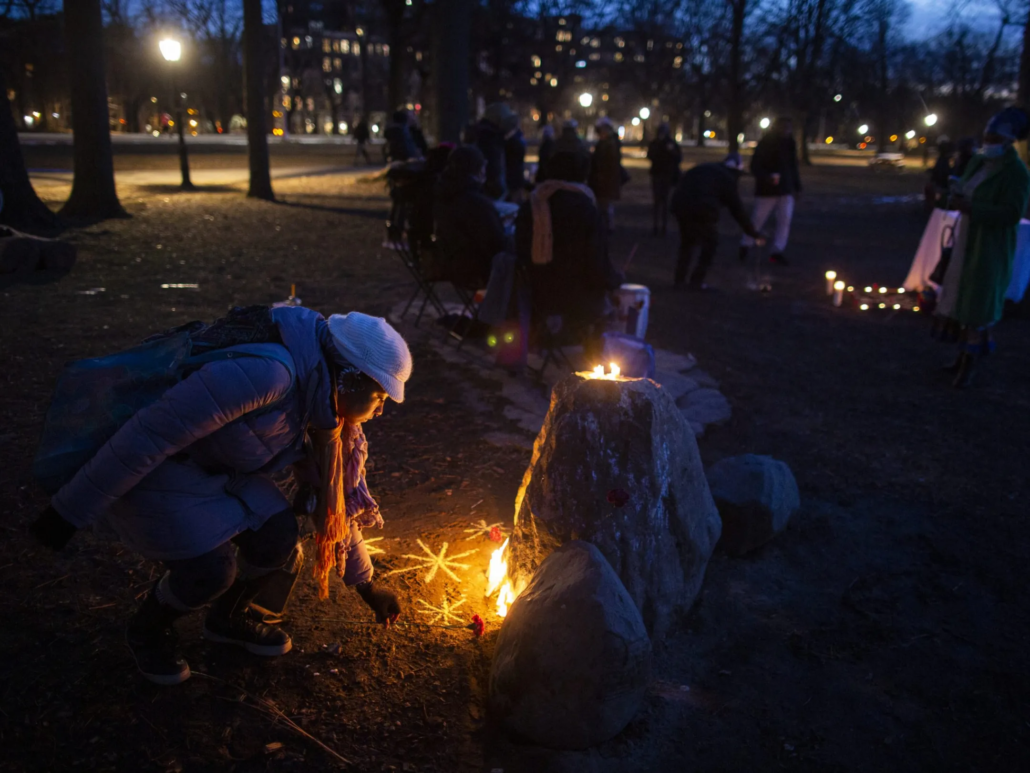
pixel 573 660
pixel 604 435
pixel 756 497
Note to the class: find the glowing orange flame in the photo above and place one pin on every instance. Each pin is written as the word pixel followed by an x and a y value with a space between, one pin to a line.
pixel 497 580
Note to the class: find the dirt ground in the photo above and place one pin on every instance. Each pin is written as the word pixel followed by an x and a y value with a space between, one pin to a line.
pixel 886 629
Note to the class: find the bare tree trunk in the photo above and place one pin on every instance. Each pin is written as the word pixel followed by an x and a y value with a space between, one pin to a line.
pixel 735 119
pixel 21 206
pixel 1023 97
pixel 452 23
pixel 93 191
pixel 253 76
pixel 395 83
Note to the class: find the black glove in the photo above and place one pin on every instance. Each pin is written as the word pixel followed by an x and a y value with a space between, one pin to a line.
pixel 382 602
pixel 52 529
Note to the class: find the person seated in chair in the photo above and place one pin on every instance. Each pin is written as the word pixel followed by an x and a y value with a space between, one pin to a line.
pixel 560 238
pixel 469 231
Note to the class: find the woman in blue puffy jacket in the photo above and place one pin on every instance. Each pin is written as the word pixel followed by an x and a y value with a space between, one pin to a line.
pixel 188 480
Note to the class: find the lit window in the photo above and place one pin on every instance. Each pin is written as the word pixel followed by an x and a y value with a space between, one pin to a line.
pixel 620 43
pixel 336 46
pixel 650 45
pixel 344 46
pixel 287 102
pixel 532 81
pixel 311 103
pixel 554 82
pixel 638 58
pixel 581 64
pixel 595 43
pixel 418 56
pixel 283 42
pixel 386 51
pixel 308 41
pixel 561 22
pixel 595 57
pixel 558 49
pixel 536 61
pixel 296 42
pixel 327 46
pixel 337 63
pixel 337 85
pixel 677 62
pixel 585 41
pixel 327 65
pixel 356 48
pixel 618 56
pixel 538 74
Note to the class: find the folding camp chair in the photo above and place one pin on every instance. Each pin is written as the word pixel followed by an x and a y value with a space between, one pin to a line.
pixel 411 256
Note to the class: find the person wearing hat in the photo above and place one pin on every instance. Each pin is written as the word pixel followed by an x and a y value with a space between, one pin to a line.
pixel 703 191
pixel 992 196
pixel 187 480
pixel 494 129
pixel 606 172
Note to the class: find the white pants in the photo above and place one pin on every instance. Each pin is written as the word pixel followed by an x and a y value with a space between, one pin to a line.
pixel 764 206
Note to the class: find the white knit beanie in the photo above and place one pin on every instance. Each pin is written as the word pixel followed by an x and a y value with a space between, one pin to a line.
pixel 375 348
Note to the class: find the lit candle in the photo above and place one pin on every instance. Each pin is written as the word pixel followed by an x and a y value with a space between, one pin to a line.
pixel 901 291
pixel 830 276
pixel 599 371
pixel 869 289
pixel 851 289
pixel 883 290
pixel 864 307
pixel 838 293
pixel 614 370
pixel 897 306
pixel 883 305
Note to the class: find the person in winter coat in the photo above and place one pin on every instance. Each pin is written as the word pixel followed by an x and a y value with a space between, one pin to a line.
pixel 399 143
pixel 361 137
pixel 777 186
pixel 940 175
pixel 665 156
pixel 544 153
pixel 606 171
pixel 992 196
pixel 515 165
pixel 699 197
pixel 560 239
pixel 469 231
pixel 187 480
pixel 497 124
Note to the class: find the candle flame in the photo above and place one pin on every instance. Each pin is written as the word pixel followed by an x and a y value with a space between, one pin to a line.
pixel 831 274
pixel 838 285
pixel 497 580
pixel 599 371
pixel 614 369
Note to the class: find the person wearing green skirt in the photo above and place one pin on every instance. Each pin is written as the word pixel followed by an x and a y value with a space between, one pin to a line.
pixel 992 196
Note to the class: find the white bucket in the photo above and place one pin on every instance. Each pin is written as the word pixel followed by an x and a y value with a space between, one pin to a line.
pixel 634 301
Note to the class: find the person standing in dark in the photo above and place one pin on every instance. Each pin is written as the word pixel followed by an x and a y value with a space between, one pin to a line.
pixel 777 186
pixel 469 231
pixel 496 125
pixel 515 165
pixel 700 195
pixel 416 134
pixel 940 175
pixel 361 137
pixel 966 151
pixel 606 171
pixel 399 144
pixel 545 152
pixel 665 156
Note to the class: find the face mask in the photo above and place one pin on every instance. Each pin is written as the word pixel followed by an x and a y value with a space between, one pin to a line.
pixel 992 151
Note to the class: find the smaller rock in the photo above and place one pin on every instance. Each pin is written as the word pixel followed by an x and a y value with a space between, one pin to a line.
pixel 756 496
pixel 573 659
pixel 531 422
pixel 664 360
pixel 705 406
pixel 704 379
pixel 675 384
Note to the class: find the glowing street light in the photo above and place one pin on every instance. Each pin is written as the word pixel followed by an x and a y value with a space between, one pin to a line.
pixel 838 97
pixel 635 121
pixel 765 123
pixel 931 119
pixel 171 50
pixel 645 113
pixel 863 128
pixel 586 99
pixel 910 134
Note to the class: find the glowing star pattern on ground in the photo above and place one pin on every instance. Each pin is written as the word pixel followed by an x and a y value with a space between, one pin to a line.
pixel 480 529
pixel 435 562
pixel 373 549
pixel 442 614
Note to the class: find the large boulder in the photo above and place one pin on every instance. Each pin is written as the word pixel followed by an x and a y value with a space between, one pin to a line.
pixel 572 661
pixel 756 496
pixel 616 464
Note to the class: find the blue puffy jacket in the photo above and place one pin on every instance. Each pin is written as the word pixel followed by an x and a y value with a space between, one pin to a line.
pixel 192 470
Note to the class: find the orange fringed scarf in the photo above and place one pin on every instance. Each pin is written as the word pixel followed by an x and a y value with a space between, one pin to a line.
pixel 331 508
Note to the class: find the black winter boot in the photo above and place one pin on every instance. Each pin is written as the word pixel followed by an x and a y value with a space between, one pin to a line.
pixel 153 642
pixel 966 370
pixel 230 622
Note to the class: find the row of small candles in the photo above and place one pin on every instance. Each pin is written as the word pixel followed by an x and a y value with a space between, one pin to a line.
pixel 836 287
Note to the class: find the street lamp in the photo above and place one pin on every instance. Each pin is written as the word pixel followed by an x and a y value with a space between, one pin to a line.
pixel 838 97
pixel 586 99
pixel 645 113
pixel 863 128
pixel 171 50
pixel 765 123
pixel 931 119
